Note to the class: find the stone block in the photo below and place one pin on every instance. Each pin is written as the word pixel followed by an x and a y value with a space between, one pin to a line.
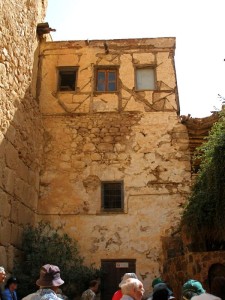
pixel 14 211
pixel 9 177
pixel 25 215
pixel 65 165
pixel 5 205
pixel 90 147
pixel 12 157
pixel 22 171
pixel 31 199
pixel 19 188
pixel 3 257
pixel 108 139
pixel 78 164
pixel 16 235
pixel 105 147
pixel 5 232
pixel 10 258
pixel 120 148
pixel 96 157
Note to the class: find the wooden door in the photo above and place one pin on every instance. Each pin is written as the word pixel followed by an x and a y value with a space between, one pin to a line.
pixel 113 271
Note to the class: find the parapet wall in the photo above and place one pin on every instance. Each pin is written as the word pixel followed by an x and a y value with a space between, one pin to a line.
pixel 20 122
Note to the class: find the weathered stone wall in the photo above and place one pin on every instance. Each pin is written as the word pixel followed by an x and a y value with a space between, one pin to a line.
pixel 20 135
pixel 132 136
pixel 192 265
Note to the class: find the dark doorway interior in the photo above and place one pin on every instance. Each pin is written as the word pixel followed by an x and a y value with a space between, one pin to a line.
pixel 214 271
pixel 113 270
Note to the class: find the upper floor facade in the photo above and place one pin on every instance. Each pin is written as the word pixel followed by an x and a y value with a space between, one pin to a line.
pixel 108 76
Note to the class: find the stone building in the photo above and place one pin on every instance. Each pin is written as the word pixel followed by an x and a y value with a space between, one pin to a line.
pixel 20 121
pixel 116 165
pixel 91 139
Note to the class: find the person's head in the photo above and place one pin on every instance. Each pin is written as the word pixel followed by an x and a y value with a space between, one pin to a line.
pixel 49 277
pixel 218 287
pixel 162 294
pixel 133 288
pixel 2 274
pixel 162 286
pixel 156 281
pixel 94 285
pixel 127 276
pixel 11 284
pixel 192 288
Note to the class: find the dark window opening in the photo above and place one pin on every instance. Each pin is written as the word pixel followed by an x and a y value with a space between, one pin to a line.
pixel 67 79
pixel 112 195
pixel 106 80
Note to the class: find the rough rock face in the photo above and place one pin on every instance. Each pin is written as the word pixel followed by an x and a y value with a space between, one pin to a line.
pixel 20 121
pixel 129 136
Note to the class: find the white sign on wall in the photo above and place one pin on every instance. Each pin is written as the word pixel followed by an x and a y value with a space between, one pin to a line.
pixel 122 265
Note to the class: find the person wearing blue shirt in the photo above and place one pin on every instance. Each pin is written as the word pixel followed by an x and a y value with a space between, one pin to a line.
pixel 10 289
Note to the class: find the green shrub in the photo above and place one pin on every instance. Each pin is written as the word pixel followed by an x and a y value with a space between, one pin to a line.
pixel 45 245
pixel 204 214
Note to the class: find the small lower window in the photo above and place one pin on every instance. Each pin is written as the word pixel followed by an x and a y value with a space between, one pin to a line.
pixel 67 79
pixel 112 196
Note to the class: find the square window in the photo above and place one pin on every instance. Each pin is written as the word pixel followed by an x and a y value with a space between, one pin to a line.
pixel 67 79
pixel 112 196
pixel 145 79
pixel 106 80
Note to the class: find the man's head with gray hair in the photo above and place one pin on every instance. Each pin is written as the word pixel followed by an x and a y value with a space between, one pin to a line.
pixel 127 276
pixel 2 274
pixel 133 288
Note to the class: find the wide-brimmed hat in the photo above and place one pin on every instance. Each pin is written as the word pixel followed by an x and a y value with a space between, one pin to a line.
pixel 127 276
pixel 193 286
pixel 49 276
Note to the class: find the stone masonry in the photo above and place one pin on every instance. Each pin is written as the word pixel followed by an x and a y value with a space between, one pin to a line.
pixel 127 135
pixel 20 122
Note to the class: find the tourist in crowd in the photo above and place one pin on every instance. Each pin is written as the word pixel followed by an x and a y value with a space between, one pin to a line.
pixel 193 290
pixel 2 275
pixel 2 279
pixel 10 289
pixel 161 294
pixel 156 281
pixel 132 289
pixel 158 286
pixel 49 282
pixel 90 293
pixel 118 294
pixel 218 287
pixel 161 291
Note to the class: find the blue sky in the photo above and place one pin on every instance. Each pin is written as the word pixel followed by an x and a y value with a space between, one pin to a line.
pixel 198 26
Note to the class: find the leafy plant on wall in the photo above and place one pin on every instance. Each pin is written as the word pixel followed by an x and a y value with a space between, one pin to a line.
pixel 45 245
pixel 204 215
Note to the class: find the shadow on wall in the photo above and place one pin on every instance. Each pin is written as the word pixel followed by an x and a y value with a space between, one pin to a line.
pixel 20 148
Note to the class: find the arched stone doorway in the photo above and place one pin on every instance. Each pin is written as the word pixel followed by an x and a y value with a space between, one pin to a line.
pixel 215 270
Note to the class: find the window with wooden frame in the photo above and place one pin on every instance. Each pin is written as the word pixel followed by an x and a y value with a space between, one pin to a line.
pixel 67 77
pixel 106 80
pixel 145 78
pixel 112 196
